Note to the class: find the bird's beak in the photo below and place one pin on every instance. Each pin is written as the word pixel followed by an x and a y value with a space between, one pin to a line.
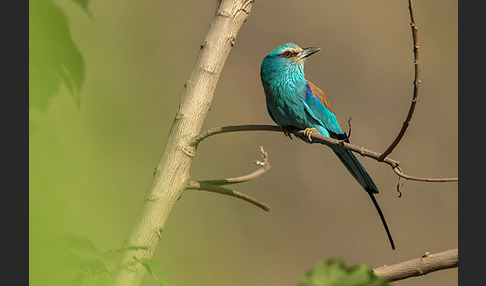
pixel 307 52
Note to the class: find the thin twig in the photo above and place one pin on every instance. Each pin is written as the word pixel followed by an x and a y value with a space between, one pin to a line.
pixel 264 166
pixel 419 266
pixel 349 132
pixel 399 185
pixel 215 186
pixel 416 84
pixel 399 172
pixel 204 186
pixel 349 125
pixel 317 138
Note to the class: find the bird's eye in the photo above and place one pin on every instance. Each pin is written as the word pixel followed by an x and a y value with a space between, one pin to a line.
pixel 287 54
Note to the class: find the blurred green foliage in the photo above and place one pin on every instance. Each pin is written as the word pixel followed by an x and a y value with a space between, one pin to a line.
pixel 334 272
pixel 157 272
pixel 75 260
pixel 54 59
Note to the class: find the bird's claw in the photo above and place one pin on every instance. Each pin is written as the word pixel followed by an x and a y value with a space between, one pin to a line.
pixel 308 132
pixel 286 132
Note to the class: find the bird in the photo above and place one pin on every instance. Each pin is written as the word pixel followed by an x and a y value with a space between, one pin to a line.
pixel 293 102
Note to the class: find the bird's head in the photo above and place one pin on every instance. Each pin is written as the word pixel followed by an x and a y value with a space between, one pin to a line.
pixel 291 52
pixel 286 56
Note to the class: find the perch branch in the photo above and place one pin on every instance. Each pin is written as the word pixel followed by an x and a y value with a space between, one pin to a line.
pixel 318 138
pixel 419 266
pixel 416 84
pixel 233 128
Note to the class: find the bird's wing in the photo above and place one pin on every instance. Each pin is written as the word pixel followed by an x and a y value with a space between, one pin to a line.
pixel 317 105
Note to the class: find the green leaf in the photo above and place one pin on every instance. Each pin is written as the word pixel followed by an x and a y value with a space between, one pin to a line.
pixel 84 5
pixel 154 268
pixel 334 272
pixel 78 253
pixel 53 56
pixel 72 260
pixel 73 242
pixel 112 255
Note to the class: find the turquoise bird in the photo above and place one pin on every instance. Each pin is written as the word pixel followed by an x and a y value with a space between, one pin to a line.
pixel 295 102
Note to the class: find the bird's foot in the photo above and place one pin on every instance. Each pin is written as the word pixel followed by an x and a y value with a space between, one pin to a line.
pixel 308 132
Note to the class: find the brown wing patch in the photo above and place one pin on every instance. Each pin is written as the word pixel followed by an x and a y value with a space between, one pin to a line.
pixel 322 97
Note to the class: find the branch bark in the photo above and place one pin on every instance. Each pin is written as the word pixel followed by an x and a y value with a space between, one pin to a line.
pixel 419 266
pixel 203 186
pixel 216 185
pixel 318 138
pixel 171 177
pixel 264 167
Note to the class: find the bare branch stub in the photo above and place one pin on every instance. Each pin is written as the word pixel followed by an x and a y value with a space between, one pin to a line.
pixel 264 167
pixel 215 186
pixel 349 132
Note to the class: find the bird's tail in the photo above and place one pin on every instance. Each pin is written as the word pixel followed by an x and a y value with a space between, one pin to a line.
pixel 364 179
pixel 382 217
pixel 356 169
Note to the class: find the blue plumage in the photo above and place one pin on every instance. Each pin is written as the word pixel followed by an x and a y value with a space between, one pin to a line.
pixel 294 102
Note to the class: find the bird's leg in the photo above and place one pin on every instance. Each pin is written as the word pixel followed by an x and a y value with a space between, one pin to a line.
pixel 308 132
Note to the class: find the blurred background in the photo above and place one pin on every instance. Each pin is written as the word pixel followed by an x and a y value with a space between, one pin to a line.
pixel 94 142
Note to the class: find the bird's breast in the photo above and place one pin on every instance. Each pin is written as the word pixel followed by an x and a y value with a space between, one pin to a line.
pixel 285 102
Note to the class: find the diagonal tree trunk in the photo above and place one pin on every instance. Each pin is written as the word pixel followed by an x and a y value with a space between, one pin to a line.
pixel 172 173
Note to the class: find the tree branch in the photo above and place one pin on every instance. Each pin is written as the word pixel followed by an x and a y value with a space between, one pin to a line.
pixel 204 186
pixel 233 128
pixel 215 185
pixel 264 166
pixel 419 266
pixel 416 84
pixel 318 138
